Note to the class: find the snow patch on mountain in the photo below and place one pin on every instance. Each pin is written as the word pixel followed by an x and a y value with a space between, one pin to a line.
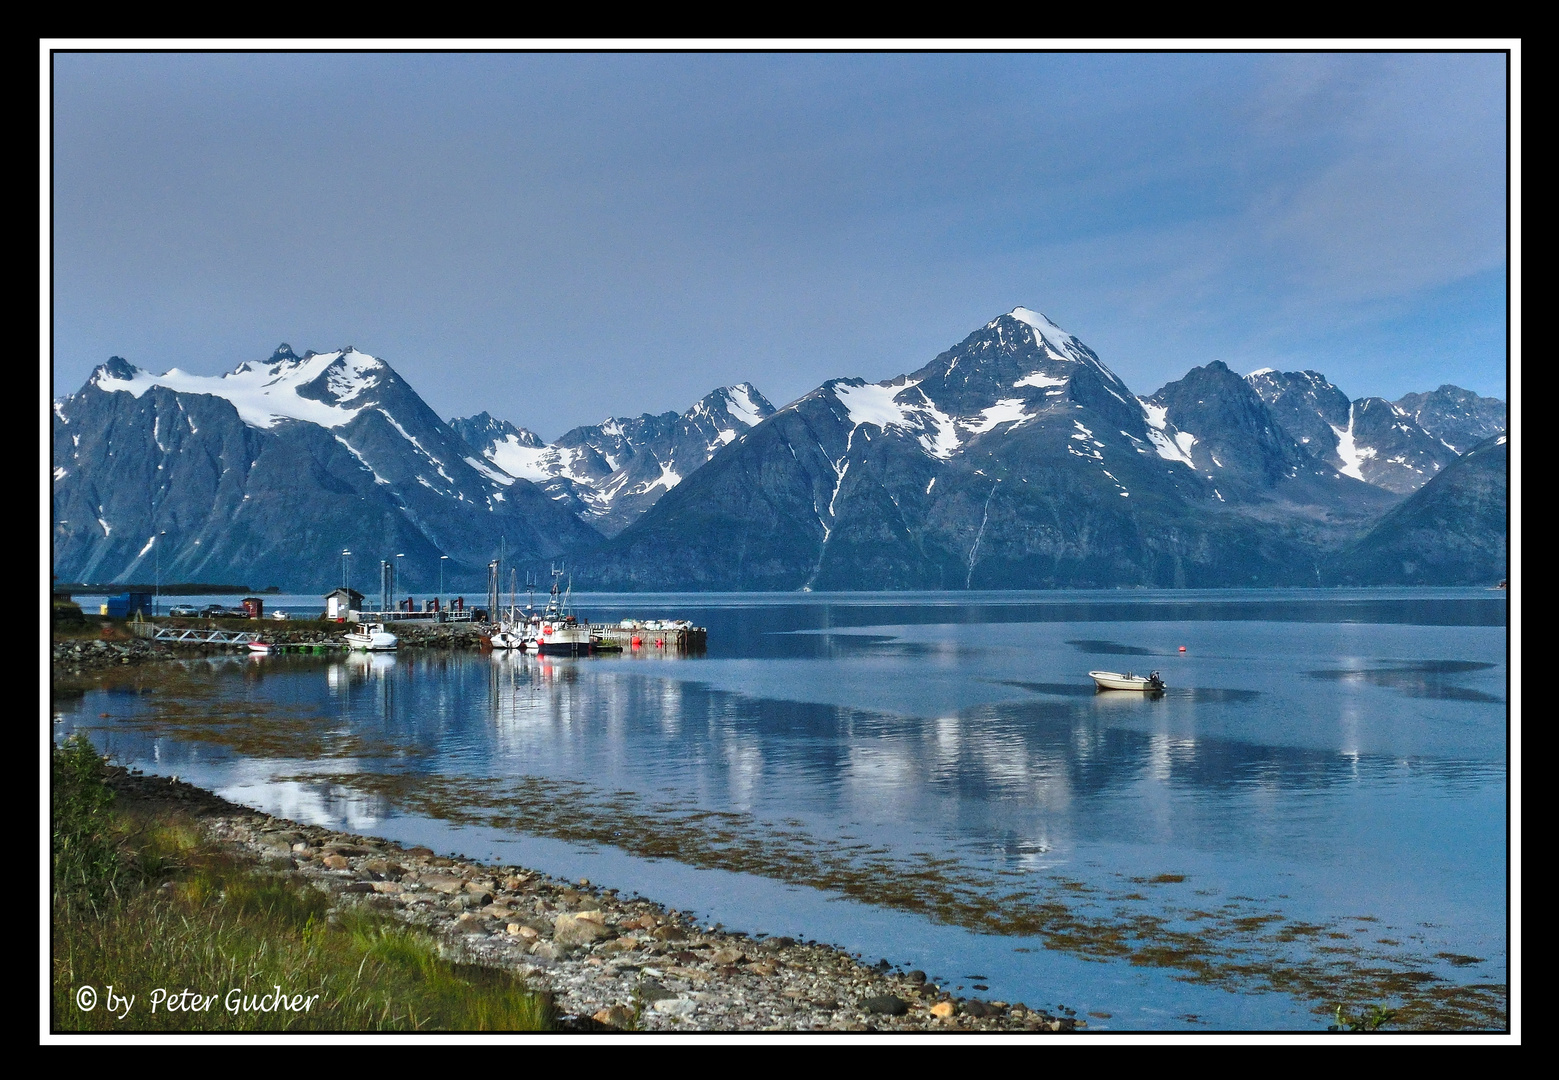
pixel 1039 378
pixel 1170 448
pixel 265 394
pixel 1353 456
pixel 517 459
pixel 1012 411
pixel 741 405
pixel 873 404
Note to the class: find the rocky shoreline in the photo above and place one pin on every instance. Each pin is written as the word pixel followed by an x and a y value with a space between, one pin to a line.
pixel 611 962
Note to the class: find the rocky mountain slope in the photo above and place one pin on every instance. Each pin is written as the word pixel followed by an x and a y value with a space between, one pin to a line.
pixel 610 473
pixel 1370 439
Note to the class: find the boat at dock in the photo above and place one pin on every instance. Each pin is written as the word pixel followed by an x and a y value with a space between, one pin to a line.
pixel 1115 680
pixel 372 637
pixel 557 631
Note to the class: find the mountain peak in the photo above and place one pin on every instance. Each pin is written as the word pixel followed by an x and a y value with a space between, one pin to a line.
pixel 117 368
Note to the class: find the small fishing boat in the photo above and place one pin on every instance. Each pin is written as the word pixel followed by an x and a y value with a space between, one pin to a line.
pixel 260 648
pixel 1115 680
pixel 372 638
pixel 556 631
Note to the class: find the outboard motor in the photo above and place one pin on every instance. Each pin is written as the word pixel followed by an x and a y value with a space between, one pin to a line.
pixel 1155 682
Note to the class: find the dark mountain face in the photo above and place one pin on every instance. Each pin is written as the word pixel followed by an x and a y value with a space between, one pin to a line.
pixel 610 473
pixel 1458 417
pixel 1308 407
pixel 1016 459
pixel 267 474
pixel 1451 531
pixel 1236 437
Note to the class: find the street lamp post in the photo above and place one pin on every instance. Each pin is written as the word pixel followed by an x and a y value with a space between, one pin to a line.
pixel 157 585
pixel 345 554
pixel 442 559
pixel 394 574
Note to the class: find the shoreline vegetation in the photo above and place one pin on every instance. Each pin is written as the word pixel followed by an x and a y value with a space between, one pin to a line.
pixel 635 966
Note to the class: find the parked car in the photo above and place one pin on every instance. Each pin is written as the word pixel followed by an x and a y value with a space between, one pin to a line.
pixel 220 611
pixel 183 610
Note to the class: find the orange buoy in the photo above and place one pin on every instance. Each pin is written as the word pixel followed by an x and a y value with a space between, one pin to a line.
pixel 1182 648
pixel 636 641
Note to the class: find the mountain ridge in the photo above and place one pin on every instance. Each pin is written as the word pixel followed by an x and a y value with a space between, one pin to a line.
pixel 1014 459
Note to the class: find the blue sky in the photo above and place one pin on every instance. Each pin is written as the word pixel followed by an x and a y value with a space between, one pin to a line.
pixel 556 238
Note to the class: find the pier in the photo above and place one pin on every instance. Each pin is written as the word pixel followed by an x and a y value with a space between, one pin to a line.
pixel 190 636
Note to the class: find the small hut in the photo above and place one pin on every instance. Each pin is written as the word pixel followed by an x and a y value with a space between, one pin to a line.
pixel 341 601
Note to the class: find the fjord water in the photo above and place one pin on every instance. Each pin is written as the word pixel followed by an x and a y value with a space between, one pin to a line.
pixel 1332 761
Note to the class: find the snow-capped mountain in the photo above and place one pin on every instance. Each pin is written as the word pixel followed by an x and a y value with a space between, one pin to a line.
pixel 1015 459
pixel 266 473
pixel 1370 439
pixel 610 473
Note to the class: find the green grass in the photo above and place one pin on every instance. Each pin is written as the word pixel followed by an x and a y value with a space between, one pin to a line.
pixel 142 904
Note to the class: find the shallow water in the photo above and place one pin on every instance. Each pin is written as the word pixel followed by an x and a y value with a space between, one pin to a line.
pixel 1313 813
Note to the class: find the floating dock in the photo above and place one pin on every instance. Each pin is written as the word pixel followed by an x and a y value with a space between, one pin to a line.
pixel 653 634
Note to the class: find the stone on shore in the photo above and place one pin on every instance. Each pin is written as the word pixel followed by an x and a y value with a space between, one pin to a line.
pixel 579 928
pixel 616 1016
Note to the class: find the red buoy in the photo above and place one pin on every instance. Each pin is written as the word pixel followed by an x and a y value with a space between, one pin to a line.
pixel 1182 648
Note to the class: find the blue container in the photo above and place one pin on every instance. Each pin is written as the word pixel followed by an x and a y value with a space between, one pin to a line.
pixel 128 604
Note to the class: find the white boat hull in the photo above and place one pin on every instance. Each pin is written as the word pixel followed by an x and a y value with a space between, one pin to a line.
pixel 375 639
pixel 1114 680
pixel 507 639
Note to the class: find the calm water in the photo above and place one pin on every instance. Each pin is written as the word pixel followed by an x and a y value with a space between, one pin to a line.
pixel 932 780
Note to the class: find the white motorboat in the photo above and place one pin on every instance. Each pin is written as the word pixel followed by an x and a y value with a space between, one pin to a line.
pixel 508 638
pixel 1115 680
pixel 373 638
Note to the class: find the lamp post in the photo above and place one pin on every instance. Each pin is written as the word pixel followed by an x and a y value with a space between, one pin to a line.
pixel 393 575
pixel 345 554
pixel 157 585
pixel 442 559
